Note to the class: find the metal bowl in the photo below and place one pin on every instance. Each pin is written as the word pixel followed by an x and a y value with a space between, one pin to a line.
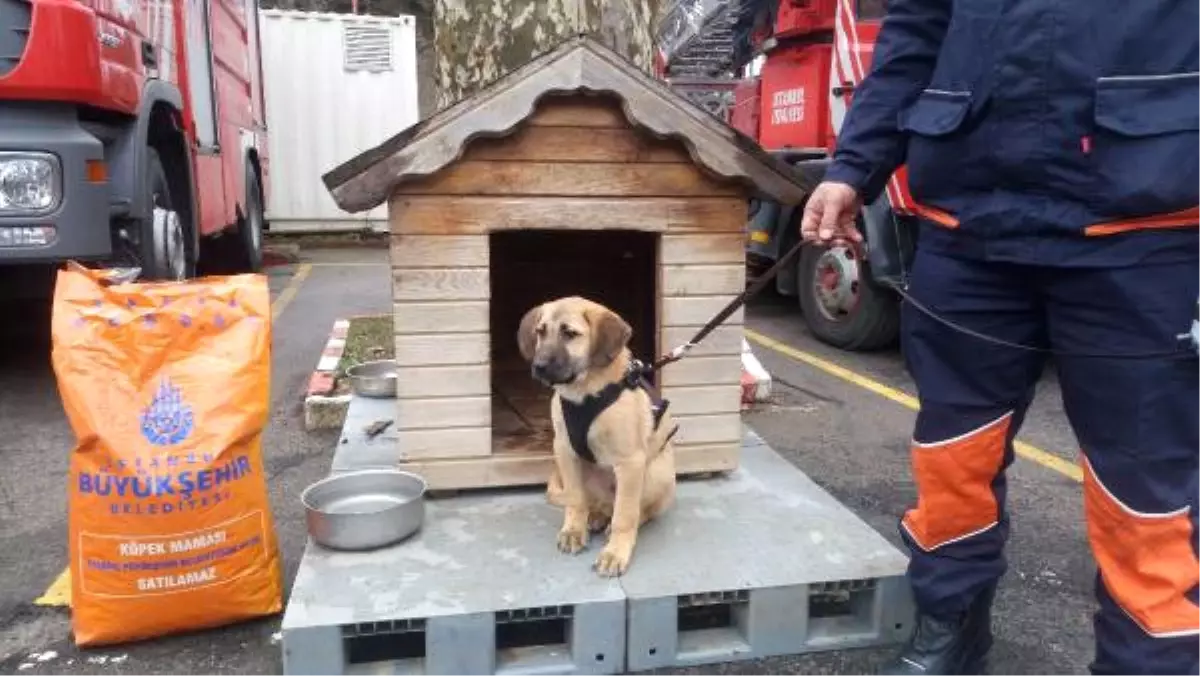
pixel 364 509
pixel 375 379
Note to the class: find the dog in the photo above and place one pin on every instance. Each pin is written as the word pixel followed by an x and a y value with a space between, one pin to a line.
pixel 614 463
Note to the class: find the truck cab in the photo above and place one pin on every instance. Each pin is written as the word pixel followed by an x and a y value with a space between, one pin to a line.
pixel 129 136
pixel 795 64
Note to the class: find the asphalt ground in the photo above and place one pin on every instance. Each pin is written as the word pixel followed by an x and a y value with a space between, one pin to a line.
pixel 844 419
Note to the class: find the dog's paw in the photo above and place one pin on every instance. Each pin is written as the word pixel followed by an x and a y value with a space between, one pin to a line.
pixel 572 541
pixel 612 562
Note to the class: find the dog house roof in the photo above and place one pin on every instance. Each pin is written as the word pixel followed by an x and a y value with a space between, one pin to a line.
pixel 578 65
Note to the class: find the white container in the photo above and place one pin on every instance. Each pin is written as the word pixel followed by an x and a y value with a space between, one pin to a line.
pixel 336 85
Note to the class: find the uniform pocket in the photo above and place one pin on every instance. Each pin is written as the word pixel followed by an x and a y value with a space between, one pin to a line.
pixel 936 112
pixel 937 144
pixel 1143 154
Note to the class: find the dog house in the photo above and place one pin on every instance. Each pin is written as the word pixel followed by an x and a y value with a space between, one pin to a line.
pixel 576 174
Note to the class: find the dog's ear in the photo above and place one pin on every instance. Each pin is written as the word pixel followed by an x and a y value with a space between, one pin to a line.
pixel 526 340
pixel 610 333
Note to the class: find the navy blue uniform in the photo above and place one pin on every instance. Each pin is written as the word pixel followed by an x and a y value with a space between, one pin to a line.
pixel 1052 147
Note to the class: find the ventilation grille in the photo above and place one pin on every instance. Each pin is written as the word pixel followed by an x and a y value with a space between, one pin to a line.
pixel 367 48
pixel 15 18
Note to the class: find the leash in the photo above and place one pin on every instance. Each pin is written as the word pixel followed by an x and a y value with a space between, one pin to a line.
pixel 759 284
pixel 1188 341
pixel 639 370
pixel 1192 337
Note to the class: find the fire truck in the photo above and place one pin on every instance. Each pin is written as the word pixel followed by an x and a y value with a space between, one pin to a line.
pixel 783 73
pixel 132 135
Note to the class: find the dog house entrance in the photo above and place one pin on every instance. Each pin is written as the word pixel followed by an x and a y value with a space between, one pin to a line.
pixel 616 268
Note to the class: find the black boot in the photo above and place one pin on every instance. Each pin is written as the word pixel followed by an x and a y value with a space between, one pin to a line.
pixel 948 646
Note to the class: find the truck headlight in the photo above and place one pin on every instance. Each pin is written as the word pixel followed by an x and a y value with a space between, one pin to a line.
pixel 30 183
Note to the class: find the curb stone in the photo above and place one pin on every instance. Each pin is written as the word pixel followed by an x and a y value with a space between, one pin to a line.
pixel 756 382
pixel 322 408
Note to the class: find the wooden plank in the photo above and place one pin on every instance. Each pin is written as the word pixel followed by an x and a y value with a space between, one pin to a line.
pixel 468 316
pixel 599 179
pixel 454 442
pixel 442 349
pixel 704 249
pixel 442 412
pixel 704 399
pixel 578 111
pixel 703 371
pixel 725 340
pixel 703 280
pixel 705 458
pixel 453 251
pixel 441 284
pixel 533 469
pixel 429 215
pixel 697 310
pixel 442 381
pixel 577 144
pixel 709 429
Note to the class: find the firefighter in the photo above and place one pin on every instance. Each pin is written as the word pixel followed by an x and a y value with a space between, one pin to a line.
pixel 1051 146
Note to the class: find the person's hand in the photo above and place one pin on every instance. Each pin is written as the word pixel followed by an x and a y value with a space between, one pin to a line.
pixel 830 214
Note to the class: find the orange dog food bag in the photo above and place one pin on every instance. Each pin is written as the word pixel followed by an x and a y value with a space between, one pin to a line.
pixel 166 386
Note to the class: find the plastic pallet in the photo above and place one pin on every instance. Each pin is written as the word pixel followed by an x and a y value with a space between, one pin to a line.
pixel 714 627
pixel 460 597
pixel 758 562
pixel 588 639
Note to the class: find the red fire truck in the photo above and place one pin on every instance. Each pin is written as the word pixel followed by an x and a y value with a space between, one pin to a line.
pixel 809 55
pixel 132 134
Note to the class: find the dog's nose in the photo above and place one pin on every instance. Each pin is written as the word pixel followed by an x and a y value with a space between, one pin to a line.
pixel 540 369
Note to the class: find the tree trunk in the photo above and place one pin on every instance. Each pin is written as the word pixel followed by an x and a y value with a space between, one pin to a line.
pixel 479 41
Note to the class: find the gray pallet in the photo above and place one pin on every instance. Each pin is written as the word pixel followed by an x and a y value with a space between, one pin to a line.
pixel 773 559
pixel 773 563
pixel 354 449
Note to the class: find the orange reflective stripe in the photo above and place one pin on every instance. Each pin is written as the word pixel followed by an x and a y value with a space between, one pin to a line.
pixel 954 485
pixel 1175 219
pixel 1146 560
pixel 936 215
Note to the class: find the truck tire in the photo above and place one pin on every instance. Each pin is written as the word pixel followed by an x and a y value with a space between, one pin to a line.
pixel 164 235
pixel 250 226
pixel 841 305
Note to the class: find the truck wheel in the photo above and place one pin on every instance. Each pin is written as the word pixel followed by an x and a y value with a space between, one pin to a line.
pixel 163 234
pixel 841 305
pixel 250 227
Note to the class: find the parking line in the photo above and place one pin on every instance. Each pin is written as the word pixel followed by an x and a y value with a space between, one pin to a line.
pixel 59 591
pixel 289 291
pixel 1024 450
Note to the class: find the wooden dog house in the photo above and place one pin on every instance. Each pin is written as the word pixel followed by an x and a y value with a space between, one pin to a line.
pixel 575 174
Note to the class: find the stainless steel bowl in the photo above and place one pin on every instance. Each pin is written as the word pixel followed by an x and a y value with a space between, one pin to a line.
pixel 364 509
pixel 375 379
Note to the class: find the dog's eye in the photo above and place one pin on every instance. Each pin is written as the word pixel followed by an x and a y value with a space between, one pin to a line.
pixel 568 332
pixel 541 331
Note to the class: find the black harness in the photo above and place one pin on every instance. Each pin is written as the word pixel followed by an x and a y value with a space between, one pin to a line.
pixel 578 417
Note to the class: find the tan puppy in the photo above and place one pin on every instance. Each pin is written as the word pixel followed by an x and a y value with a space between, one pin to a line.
pixel 625 473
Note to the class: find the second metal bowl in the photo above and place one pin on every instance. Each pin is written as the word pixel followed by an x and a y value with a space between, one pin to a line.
pixel 375 379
